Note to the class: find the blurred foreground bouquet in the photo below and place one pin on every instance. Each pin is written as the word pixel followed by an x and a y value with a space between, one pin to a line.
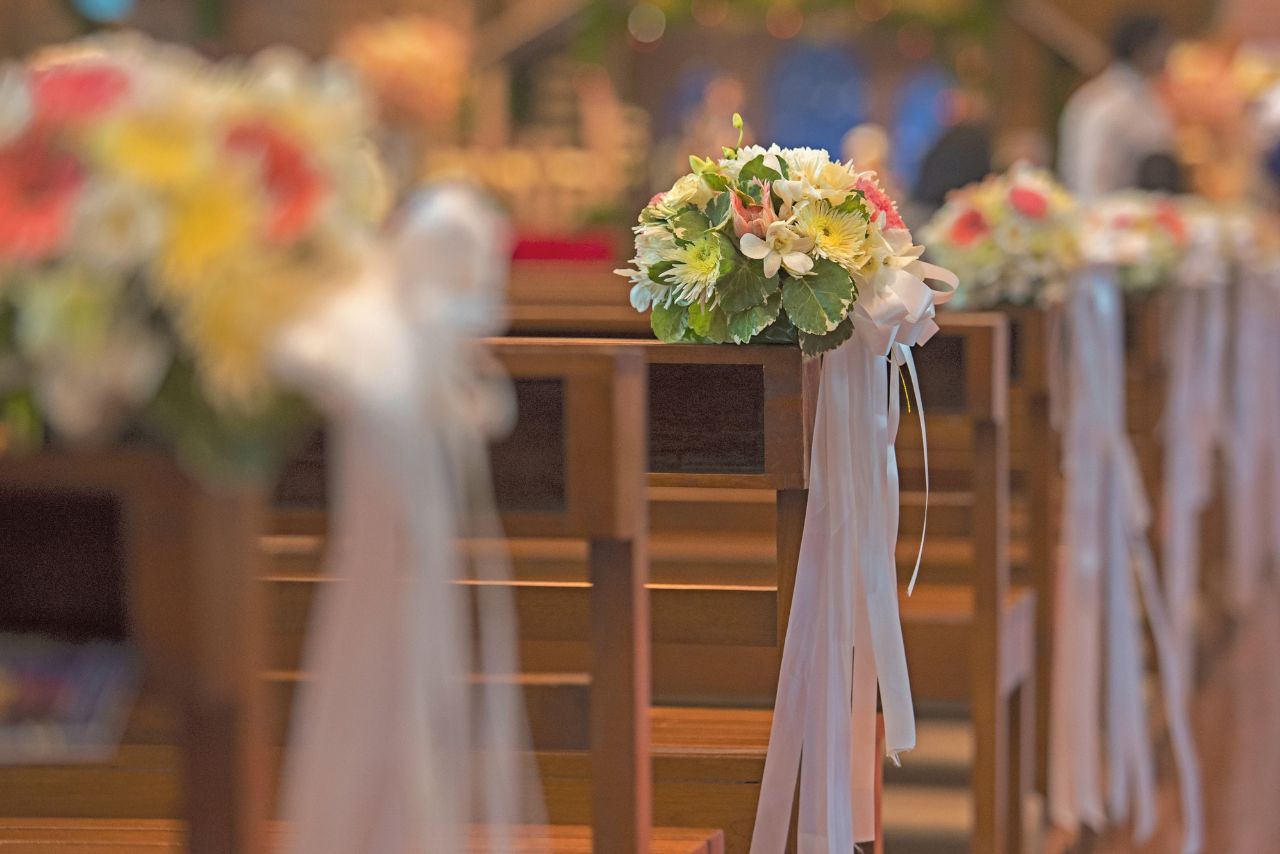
pixel 1009 238
pixel 767 245
pixel 161 219
pixel 1143 235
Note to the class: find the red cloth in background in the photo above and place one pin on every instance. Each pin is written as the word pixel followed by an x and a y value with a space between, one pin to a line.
pixel 585 246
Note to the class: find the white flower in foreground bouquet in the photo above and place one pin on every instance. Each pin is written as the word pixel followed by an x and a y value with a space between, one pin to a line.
pixel 780 247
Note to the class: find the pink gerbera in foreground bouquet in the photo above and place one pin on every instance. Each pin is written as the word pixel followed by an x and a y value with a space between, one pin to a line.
pixel 1009 238
pixel 766 244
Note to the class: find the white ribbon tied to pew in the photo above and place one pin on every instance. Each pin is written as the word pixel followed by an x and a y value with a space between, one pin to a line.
pixel 846 591
pixel 383 755
pixel 1104 549
pixel 1253 454
pixel 1195 339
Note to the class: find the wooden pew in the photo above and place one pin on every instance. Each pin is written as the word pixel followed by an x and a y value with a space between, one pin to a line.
pixel 964 379
pixel 183 560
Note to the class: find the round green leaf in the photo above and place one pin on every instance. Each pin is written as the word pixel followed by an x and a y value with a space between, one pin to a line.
pixel 745 325
pixel 669 322
pixel 819 301
pixel 814 345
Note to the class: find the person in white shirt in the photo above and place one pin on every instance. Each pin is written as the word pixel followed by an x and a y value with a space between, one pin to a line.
pixel 1116 121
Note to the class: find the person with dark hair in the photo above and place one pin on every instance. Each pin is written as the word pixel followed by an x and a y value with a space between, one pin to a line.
pixel 1116 122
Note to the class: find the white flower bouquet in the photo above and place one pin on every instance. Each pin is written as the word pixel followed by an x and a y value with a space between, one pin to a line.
pixel 766 245
pixel 1008 238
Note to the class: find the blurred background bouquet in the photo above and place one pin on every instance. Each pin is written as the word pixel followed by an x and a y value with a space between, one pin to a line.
pixel 161 218
pixel 1143 235
pixel 1008 238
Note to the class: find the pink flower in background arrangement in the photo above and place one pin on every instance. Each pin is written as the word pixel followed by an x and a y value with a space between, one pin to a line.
pixel 1030 203
pixel 969 227
pixel 1168 218
pixel 39 184
pixel 880 202
pixel 77 92
pixel 294 187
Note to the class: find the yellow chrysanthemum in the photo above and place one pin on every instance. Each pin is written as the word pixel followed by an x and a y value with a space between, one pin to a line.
pixel 837 236
pixel 213 221
pixel 696 269
pixel 161 150
pixel 231 319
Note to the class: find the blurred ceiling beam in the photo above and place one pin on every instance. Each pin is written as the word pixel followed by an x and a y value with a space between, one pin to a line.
pixel 523 26
pixel 1060 33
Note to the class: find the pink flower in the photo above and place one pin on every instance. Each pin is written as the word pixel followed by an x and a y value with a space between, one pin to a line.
pixel 1030 203
pixel 39 184
pixel 294 187
pixel 969 227
pixel 657 197
pixel 752 219
pixel 880 202
pixel 1168 218
pixel 77 91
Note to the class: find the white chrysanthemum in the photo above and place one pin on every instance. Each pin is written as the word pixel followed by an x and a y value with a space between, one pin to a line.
pixel 837 236
pixel 118 225
pixel 15 102
pixel 695 269
pixel 813 175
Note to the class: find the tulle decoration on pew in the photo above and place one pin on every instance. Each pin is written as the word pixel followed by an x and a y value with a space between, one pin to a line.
pixel 1104 553
pixel 1253 455
pixel 395 750
pixel 1011 239
pixel 784 245
pixel 1194 420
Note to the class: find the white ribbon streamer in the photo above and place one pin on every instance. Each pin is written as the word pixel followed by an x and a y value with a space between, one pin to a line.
pixel 1253 455
pixel 1195 337
pixel 844 637
pixel 383 757
pixel 1104 546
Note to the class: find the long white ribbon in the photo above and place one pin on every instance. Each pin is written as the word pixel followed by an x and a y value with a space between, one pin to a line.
pixel 1195 338
pixel 844 637
pixel 383 757
pixel 1104 548
pixel 1253 454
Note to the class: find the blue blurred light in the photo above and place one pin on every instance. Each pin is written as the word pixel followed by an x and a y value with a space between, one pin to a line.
pixel 918 120
pixel 104 11
pixel 818 94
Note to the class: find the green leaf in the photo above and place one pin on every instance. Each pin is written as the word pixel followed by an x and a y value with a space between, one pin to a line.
pixel 657 270
pixel 755 168
pixel 697 164
pixel 709 324
pixel 813 345
pixel 819 301
pixel 689 225
pixel 718 210
pixel 781 331
pixel 729 152
pixel 716 181
pixel 742 285
pixel 669 322
pixel 854 203
pixel 746 325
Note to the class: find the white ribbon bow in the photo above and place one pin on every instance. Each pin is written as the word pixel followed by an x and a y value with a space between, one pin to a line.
pixel 846 592
pixel 381 758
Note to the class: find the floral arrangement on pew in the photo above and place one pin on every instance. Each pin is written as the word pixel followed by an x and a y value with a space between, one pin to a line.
pixel 161 218
pixel 765 245
pixel 1011 239
pixel 1143 235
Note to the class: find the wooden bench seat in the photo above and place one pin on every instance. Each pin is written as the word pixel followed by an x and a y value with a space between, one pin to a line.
pixel 134 836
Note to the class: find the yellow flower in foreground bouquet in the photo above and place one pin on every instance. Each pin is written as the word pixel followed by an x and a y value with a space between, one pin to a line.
pixel 1010 238
pixel 212 204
